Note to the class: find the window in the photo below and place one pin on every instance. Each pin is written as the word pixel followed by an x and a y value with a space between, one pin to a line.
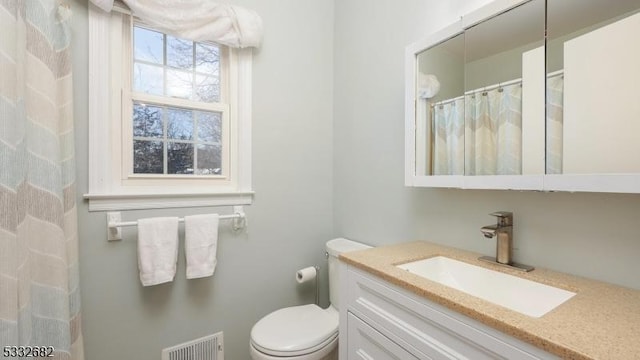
pixel 180 110
pixel 177 115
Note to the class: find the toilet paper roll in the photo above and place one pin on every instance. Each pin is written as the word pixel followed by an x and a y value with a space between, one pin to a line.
pixel 306 274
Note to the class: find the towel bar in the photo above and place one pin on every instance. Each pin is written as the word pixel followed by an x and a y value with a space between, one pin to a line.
pixel 114 225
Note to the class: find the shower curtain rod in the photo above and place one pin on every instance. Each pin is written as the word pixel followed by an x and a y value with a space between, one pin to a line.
pixel 495 86
pixel 555 73
pixel 444 102
pixel 482 89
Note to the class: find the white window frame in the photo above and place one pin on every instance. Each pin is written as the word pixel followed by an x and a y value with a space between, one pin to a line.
pixel 228 64
pixel 111 186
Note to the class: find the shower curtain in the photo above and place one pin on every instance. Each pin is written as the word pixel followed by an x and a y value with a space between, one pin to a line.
pixel 448 144
pixel 480 134
pixel 39 292
pixel 493 134
pixel 555 88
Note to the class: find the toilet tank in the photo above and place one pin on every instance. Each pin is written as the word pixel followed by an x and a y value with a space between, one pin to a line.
pixel 336 247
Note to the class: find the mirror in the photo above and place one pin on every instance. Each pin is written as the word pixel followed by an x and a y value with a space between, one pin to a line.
pixel 470 114
pixel 500 66
pixel 440 109
pixel 593 72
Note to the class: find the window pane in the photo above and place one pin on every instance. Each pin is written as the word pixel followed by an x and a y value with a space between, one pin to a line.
pixel 179 158
pixel 207 58
pixel 207 88
pixel 147 120
pixel 209 127
pixel 147 45
pixel 179 53
pixel 172 140
pixel 179 84
pixel 148 79
pixel 147 157
pixel 209 160
pixel 180 124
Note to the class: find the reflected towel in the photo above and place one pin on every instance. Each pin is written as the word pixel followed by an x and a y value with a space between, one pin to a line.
pixel 157 249
pixel 201 241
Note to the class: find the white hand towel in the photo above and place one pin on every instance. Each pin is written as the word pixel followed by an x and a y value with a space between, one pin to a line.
pixel 200 242
pixel 157 249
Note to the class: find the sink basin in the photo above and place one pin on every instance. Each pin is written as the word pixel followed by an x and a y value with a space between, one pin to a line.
pixel 524 296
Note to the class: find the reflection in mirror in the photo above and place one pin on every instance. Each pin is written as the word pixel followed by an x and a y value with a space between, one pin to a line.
pixel 496 68
pixel 440 109
pixel 593 112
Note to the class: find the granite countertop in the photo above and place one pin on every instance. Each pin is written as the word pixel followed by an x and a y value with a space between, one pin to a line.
pixel 602 321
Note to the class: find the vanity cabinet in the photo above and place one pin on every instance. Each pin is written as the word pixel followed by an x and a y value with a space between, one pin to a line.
pixel 368 343
pixel 382 321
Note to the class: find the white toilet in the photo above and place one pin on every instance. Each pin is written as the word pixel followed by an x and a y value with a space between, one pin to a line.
pixel 305 332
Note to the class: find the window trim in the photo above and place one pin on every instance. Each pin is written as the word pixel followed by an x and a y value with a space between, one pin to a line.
pixel 108 189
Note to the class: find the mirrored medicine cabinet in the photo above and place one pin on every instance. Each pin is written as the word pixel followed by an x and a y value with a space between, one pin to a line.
pixel 528 95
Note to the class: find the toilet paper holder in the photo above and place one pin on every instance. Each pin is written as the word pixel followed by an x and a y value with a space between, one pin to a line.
pixel 308 274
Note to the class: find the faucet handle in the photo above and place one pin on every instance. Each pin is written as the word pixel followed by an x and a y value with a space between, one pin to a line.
pixel 505 218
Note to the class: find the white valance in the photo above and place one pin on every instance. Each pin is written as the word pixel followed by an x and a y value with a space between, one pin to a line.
pixel 198 20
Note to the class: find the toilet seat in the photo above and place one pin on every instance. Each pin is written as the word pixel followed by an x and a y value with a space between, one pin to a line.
pixel 320 354
pixel 295 331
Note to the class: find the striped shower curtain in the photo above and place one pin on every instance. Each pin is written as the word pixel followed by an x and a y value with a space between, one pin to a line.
pixel 493 135
pixel 555 87
pixel 448 137
pixel 479 134
pixel 39 292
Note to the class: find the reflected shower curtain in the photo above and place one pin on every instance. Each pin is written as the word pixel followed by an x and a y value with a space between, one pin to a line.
pixel 555 88
pixel 39 292
pixel 493 134
pixel 448 144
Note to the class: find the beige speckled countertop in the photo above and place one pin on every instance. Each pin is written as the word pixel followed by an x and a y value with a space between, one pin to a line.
pixel 602 321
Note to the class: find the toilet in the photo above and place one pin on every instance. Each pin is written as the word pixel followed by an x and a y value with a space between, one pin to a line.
pixel 305 332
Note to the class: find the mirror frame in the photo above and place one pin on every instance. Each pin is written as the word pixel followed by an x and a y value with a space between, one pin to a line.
pixel 617 183
pixel 515 182
pixel 411 69
pixel 627 182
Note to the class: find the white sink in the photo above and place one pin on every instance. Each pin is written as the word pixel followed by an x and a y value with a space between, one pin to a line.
pixel 524 296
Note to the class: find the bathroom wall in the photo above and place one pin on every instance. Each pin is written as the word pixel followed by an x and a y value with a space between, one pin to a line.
pixel 289 221
pixel 328 145
pixel 591 235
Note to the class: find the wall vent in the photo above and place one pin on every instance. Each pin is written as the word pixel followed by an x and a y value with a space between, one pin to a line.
pixel 205 348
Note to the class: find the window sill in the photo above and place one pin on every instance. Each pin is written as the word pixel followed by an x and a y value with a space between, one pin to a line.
pixel 133 201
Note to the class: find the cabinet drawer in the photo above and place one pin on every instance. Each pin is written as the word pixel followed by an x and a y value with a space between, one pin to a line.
pixel 365 343
pixel 433 330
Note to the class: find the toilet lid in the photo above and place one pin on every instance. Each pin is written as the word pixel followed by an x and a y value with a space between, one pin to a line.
pixel 295 330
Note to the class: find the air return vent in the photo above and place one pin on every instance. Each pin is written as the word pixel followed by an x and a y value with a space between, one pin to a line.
pixel 206 348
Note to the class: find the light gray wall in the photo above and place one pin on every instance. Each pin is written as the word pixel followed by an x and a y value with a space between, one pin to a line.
pixel 289 221
pixel 592 235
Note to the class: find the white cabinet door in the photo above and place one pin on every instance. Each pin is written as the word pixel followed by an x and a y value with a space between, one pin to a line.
pixel 365 343
pixel 424 328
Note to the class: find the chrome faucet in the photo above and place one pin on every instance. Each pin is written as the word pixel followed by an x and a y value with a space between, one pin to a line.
pixel 503 231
